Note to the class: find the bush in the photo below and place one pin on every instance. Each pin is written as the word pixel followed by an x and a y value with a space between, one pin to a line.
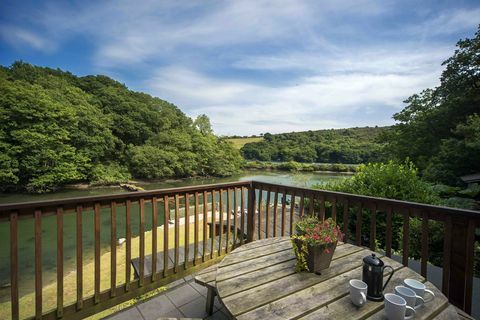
pixel 108 174
pixel 394 181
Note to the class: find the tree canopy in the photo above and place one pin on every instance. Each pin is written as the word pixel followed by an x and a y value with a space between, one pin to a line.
pixel 354 145
pixel 57 128
pixel 439 129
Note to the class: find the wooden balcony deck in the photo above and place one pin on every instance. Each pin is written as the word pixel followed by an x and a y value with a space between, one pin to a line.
pixel 267 215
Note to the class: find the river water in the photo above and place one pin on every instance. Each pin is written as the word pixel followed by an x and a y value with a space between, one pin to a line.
pixel 26 227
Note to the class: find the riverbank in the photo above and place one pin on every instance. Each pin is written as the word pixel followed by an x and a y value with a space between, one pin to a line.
pixel 293 166
pixel 304 178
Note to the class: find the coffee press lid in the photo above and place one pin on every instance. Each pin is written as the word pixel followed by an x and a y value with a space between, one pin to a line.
pixel 372 260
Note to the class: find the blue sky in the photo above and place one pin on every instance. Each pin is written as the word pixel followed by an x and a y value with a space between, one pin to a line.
pixel 251 66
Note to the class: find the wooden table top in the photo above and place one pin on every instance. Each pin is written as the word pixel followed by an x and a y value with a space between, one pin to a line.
pixel 258 281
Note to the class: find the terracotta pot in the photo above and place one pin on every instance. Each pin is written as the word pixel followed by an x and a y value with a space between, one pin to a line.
pixel 318 258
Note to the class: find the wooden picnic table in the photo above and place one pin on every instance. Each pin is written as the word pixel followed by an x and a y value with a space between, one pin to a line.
pixel 258 281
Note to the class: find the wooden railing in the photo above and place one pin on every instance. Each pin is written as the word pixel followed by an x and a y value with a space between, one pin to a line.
pixel 187 234
pixel 193 205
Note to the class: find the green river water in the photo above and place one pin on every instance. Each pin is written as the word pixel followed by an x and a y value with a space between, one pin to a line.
pixel 26 228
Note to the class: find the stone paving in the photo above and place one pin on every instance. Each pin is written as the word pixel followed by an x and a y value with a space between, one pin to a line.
pixel 183 299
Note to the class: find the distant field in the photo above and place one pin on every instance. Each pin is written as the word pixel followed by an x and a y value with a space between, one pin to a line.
pixel 240 142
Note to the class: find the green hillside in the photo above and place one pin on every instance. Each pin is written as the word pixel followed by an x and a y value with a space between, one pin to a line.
pixel 238 143
pixel 353 145
pixel 57 128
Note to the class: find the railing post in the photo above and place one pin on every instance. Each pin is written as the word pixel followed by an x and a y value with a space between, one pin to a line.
pixel 251 214
pixel 461 263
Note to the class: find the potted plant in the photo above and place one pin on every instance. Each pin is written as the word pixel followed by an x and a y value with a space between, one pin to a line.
pixel 314 243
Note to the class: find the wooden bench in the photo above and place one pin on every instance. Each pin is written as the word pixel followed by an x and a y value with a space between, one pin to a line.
pixel 206 278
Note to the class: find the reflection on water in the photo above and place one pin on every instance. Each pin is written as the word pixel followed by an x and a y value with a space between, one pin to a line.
pixel 49 224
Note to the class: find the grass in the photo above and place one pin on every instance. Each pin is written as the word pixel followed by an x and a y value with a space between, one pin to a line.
pixel 238 143
pixel 49 292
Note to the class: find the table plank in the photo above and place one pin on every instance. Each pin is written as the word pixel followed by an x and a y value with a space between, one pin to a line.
pixel 344 308
pixel 259 282
pixel 252 254
pixel 257 276
pixel 235 270
pixel 249 299
pixel 302 302
pixel 448 313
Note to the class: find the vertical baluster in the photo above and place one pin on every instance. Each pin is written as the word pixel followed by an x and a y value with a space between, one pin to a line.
pixel 447 256
pixel 128 249
pixel 322 207
pixel 388 231
pixel 302 205
pixel 187 230
pixel 166 218
pixel 469 265
pixel 177 232
pixel 113 248
pixel 345 219
pixel 154 237
pixel 267 214
pixel 311 204
pixel 275 208
pixel 406 236
pixel 213 228
pixel 141 263
pixel 195 234
pixel 373 227
pixel 59 262
pixel 205 215
pixel 251 214
pixel 97 253
pixel 334 209
pixel 235 217
pixel 358 228
pixel 424 244
pixel 284 208
pixel 242 217
pixel 220 212
pixel 38 264
pixel 79 243
pixel 260 199
pixel 14 265
pixel 229 213
pixel 292 212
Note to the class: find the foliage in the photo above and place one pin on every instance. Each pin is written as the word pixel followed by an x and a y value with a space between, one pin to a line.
pixel 439 129
pixel 354 145
pixel 394 181
pixel 108 174
pixel 56 128
pixel 297 166
pixel 387 180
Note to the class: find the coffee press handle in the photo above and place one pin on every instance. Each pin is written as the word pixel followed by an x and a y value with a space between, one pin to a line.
pixel 391 274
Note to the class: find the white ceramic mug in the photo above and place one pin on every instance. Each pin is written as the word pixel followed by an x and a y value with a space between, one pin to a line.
pixel 396 308
pixel 358 292
pixel 419 289
pixel 413 300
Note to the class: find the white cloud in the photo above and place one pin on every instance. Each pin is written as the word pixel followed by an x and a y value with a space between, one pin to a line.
pixel 312 102
pixel 447 23
pixel 19 38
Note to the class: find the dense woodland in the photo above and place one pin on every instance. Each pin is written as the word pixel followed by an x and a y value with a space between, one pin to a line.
pixel 354 145
pixel 57 128
pixel 439 129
